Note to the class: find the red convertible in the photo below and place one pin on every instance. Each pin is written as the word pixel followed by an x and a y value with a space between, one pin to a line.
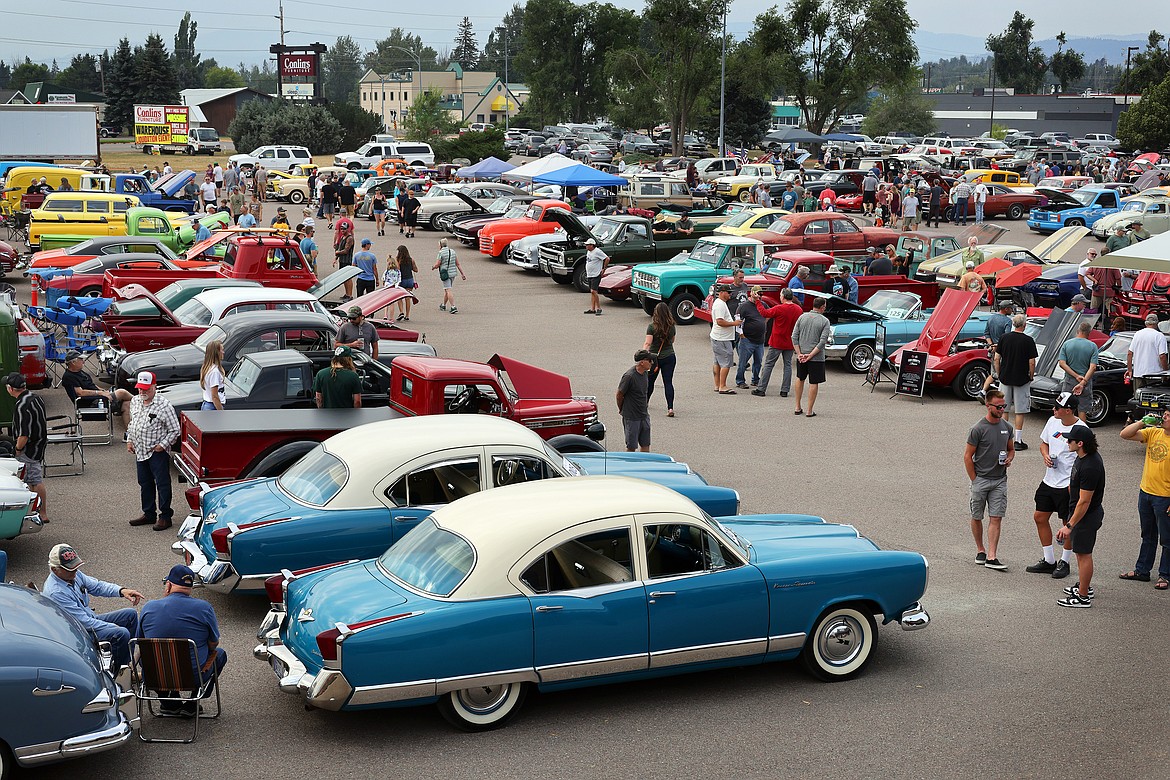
pixel 829 232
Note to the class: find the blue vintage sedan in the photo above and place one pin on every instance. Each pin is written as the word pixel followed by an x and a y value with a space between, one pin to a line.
pixel 853 333
pixel 57 698
pixel 359 492
pixel 573 582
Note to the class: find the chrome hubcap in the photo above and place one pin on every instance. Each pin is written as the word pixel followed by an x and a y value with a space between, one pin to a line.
pixel 685 310
pixel 484 699
pixel 862 358
pixel 840 641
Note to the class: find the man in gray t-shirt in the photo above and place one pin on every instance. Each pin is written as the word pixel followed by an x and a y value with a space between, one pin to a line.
pixel 633 402
pixel 990 450
pixel 357 333
pixel 810 334
pixel 595 263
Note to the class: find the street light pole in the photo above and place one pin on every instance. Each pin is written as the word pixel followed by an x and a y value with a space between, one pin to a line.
pixel 507 100
pixel 1129 50
pixel 991 126
pixel 723 81
pixel 417 64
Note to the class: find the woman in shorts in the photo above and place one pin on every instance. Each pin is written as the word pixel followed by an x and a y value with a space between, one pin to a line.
pixel 378 208
pixel 406 269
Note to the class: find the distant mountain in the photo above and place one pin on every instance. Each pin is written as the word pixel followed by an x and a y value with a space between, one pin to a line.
pixel 935 46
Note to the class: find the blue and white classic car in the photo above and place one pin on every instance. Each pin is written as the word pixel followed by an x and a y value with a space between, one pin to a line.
pixel 360 491
pixel 574 582
pixel 57 698
pixel 17 515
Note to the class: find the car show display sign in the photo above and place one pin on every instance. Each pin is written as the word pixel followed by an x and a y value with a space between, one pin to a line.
pixel 874 374
pixel 911 374
pixel 161 124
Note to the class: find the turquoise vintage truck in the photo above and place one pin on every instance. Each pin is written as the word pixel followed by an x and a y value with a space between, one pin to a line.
pixel 683 282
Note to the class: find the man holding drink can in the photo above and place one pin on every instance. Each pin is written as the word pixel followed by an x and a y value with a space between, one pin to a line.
pixel 1153 497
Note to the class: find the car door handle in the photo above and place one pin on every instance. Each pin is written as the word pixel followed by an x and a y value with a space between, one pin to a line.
pixel 657 594
pixel 38 691
pixel 548 608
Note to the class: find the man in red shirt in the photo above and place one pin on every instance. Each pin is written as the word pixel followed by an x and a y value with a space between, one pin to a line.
pixel 783 316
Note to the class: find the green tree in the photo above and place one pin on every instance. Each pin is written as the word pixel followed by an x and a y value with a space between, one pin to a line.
pixel 388 55
pixel 218 77
pixel 1018 64
pixel 900 107
pixel 120 85
pixel 189 71
pixel 677 51
pixel 1148 67
pixel 261 78
pixel 466 51
pixel 505 39
pixel 471 146
pixel 342 64
pixel 828 53
pixel 427 118
pixel 154 75
pixel 748 111
pixel 259 122
pixel 5 74
pixel 357 124
pixel 81 74
pixel 28 72
pixel 1144 125
pixel 1067 66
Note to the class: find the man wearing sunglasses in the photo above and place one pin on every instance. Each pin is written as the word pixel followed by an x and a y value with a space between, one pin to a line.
pixel 990 450
pixel 1052 494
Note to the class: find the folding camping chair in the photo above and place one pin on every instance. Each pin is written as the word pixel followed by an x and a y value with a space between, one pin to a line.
pixel 167 671
pixel 67 435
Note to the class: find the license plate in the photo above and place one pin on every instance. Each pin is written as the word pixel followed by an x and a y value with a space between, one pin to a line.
pixel 279 667
pixel 1134 309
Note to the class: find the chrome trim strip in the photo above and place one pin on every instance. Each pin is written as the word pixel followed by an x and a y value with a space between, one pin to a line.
pixel 448 684
pixel 711 652
pixel 575 670
pixel 782 642
pixel 377 694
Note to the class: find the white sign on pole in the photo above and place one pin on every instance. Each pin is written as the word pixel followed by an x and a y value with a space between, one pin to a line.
pixel 59 98
pixel 297 90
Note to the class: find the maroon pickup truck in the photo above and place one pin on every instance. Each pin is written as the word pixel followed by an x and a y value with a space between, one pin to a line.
pixel 273 260
pixel 216 447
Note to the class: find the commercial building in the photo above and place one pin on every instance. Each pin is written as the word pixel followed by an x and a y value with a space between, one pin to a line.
pixel 219 106
pixel 467 95
pixel 970 114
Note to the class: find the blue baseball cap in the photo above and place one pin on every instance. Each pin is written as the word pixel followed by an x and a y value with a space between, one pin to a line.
pixel 366 242
pixel 181 575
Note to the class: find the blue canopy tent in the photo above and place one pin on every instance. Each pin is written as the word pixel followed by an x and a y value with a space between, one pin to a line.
pixel 489 168
pixel 842 137
pixel 580 175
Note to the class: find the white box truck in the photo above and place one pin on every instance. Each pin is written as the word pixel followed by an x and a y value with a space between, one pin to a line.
pixel 170 130
pixel 49 132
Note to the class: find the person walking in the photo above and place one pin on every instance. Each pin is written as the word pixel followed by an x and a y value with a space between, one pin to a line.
pixel 31 432
pixel 211 377
pixel 378 208
pixel 1015 365
pixel 783 316
pixel 400 205
pixel 329 199
pixel 358 333
pixel 722 337
pixel 596 261
pixel 989 452
pixel 343 255
pixel 153 430
pixel 260 178
pixel 410 213
pixel 208 192
pixel 1153 497
pixel 407 268
pixel 1052 494
pixel 309 246
pixel 447 264
pixel 751 340
pixel 347 196
pixel 1146 354
pixel 1078 359
pixel 633 397
pixel 1086 489
pixel 979 194
pixel 660 335
pixel 810 334
pixel 910 204
pixel 338 386
pixel 936 196
pixel 367 263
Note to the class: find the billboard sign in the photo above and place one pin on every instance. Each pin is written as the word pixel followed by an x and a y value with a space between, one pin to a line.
pixel 161 124
pixel 298 66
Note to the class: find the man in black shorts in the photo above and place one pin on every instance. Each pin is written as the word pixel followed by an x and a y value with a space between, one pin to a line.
pixel 78 383
pixel 1052 494
pixel 1086 488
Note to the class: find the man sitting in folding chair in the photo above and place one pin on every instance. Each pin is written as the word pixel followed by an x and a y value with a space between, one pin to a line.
pixel 83 390
pixel 180 616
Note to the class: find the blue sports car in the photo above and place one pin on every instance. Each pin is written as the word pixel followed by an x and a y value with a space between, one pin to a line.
pixel 359 492
pixel 573 582
pixel 852 337
pixel 1055 288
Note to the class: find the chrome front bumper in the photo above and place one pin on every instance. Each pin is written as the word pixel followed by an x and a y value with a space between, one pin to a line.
pixel 836 350
pixel 914 617
pixel 93 742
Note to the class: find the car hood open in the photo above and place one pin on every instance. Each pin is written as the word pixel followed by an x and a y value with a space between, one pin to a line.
pixel 472 204
pixel 572 225
pixel 175 183
pixel 945 322
pixel 1058 328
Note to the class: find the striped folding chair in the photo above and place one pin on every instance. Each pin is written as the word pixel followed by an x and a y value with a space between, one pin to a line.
pixel 166 672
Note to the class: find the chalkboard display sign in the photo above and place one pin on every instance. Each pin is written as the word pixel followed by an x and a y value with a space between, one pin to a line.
pixel 879 342
pixel 911 374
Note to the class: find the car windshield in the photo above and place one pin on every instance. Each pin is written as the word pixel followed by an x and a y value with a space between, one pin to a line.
pixel 429 559
pixel 606 230
pixel 1116 347
pixel 500 205
pixel 213 333
pixel 740 219
pixel 316 478
pixel 1084 197
pixel 892 304
pixel 1134 205
pixel 438 192
pixel 243 378
pixel 780 227
pixel 571 468
pixel 515 212
pixel 704 252
pixel 193 313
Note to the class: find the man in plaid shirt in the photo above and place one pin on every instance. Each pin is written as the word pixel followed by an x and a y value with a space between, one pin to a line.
pixel 153 428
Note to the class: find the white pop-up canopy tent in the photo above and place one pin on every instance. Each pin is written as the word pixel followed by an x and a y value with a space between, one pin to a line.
pixel 1153 254
pixel 546 164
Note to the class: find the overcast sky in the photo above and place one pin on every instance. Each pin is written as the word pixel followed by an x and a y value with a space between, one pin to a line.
pixel 59 29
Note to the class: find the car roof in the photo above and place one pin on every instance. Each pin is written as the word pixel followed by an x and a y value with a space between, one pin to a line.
pixel 276 318
pixel 730 240
pixel 534 511
pixel 279 357
pixel 217 299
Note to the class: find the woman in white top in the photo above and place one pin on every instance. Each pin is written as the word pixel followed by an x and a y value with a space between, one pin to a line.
pixel 211 377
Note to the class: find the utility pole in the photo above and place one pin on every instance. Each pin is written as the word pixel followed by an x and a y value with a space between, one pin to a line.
pixel 991 126
pixel 507 100
pixel 722 81
pixel 1129 50
pixel 279 75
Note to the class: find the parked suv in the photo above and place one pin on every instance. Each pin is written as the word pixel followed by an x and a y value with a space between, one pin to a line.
pixel 367 156
pixel 281 158
pixel 1024 158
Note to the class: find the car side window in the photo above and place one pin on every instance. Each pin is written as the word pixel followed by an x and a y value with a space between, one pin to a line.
pixel 844 226
pixel 470 399
pixel 653 189
pixel 818 227
pixel 441 483
pixel 294 383
pixel 516 469
pixel 636 230
pixel 308 340
pixel 679 548
pixel 267 154
pixel 153 226
pixel 122 206
pixel 97 207
pixel 1156 208
pixel 240 308
pixel 261 342
pixel 816 275
pixel 1108 200
pixel 600 558
pixel 65 206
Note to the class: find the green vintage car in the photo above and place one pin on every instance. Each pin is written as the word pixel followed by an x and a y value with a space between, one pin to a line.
pixel 175 230
pixel 16 513
pixel 684 281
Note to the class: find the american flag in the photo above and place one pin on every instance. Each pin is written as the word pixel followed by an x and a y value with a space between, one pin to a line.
pixel 741 153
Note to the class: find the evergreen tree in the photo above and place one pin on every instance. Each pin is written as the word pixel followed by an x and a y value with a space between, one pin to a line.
pixel 1067 66
pixel 5 75
pixel 82 74
pixel 1018 64
pixel 466 51
pixel 154 74
pixel 189 71
pixel 120 85
pixel 505 39
pixel 343 68
pixel 393 53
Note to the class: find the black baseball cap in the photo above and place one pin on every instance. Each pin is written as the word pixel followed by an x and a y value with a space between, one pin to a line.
pixel 16 380
pixel 1081 433
pixel 1065 401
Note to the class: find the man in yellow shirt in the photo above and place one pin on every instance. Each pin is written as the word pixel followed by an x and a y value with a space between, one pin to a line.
pixel 1153 497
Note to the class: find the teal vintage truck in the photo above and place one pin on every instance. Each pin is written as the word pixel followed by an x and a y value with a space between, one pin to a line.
pixel 684 281
pixel 627 240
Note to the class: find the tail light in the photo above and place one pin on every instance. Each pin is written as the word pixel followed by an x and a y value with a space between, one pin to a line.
pixel 193 495
pixel 274 586
pixel 221 538
pixel 329 642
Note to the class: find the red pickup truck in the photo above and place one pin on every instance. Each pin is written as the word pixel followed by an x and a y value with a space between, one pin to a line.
pixel 216 447
pixel 496 236
pixel 269 259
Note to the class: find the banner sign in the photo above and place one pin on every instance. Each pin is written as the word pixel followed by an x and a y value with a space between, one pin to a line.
pixel 161 124
pixel 298 65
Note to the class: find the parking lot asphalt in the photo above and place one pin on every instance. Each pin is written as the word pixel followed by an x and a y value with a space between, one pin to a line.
pixel 1002 683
